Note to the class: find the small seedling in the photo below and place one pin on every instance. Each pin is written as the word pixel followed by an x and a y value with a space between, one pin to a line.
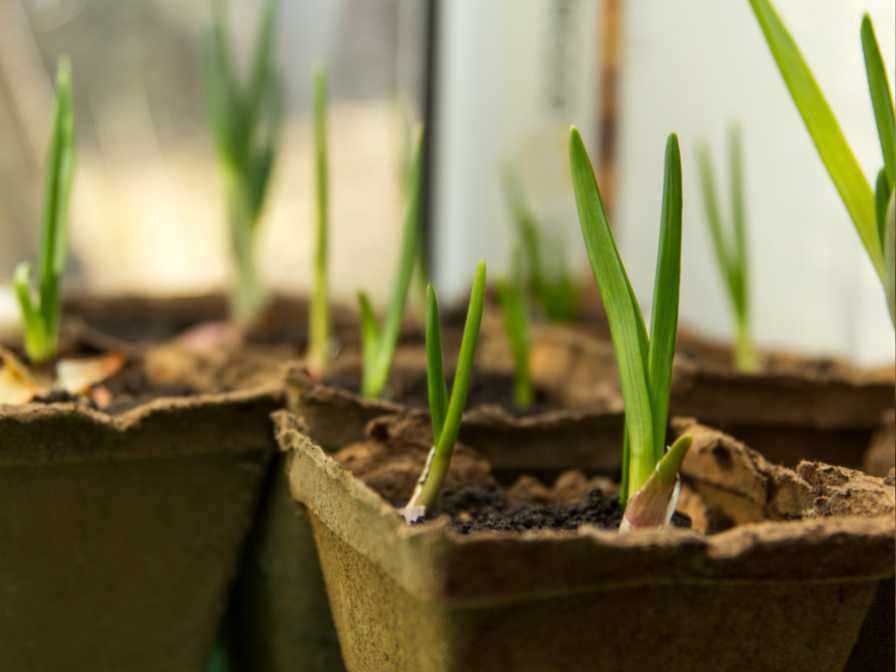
pixel 649 472
pixel 378 345
pixel 731 248
pixel 319 322
pixel 872 213
pixel 246 121
pixel 552 284
pixel 446 412
pixel 40 310
pixel 515 314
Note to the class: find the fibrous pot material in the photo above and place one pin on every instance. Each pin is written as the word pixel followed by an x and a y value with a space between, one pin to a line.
pixel 121 535
pixel 782 594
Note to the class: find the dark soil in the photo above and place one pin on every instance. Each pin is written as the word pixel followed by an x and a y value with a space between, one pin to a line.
pixel 479 508
pixel 487 507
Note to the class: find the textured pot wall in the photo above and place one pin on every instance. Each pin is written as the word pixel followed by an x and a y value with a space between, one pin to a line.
pixel 120 538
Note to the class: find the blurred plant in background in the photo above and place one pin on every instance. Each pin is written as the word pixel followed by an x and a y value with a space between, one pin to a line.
pixel 246 119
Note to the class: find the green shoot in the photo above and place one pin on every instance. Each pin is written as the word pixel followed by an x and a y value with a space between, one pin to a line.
pixel 246 121
pixel 731 250
pixel 864 207
pixel 40 311
pixel 554 288
pixel 512 298
pixel 645 364
pixel 319 322
pixel 378 345
pixel 446 411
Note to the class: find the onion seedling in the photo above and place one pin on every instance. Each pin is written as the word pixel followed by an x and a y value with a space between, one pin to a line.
pixel 319 322
pixel 873 213
pixel 515 315
pixel 378 345
pixel 40 310
pixel 731 250
pixel 552 286
pixel 649 472
pixel 445 411
pixel 246 120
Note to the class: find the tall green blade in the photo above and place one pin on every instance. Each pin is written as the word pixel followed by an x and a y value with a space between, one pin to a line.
pixel 437 388
pixel 882 191
pixel 223 95
pixel 263 69
pixel 370 332
pixel 726 259
pixel 664 316
pixel 60 171
pixel 889 239
pixel 376 381
pixel 832 147
pixel 881 98
pixel 466 358
pixel 622 311
pixel 739 217
pixel 526 229
pixel 319 325
pixel 512 299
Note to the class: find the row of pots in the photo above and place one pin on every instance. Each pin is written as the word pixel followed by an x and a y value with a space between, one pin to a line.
pixel 125 537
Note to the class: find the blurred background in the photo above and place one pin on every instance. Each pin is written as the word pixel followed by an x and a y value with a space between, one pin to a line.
pixel 497 82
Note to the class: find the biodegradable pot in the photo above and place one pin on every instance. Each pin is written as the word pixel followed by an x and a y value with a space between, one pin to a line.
pixel 122 535
pixel 776 594
pixel 282 613
pixel 795 408
pixel 280 618
pixel 544 440
pixel 726 484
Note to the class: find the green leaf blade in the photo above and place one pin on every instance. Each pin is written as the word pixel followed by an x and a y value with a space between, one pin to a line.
pixel 319 324
pixel 439 461
pixel 379 372
pixel 369 336
pixel 623 312
pixel 881 98
pixel 437 387
pixel 57 189
pixel 835 152
pixel 466 359
pixel 512 301
pixel 664 318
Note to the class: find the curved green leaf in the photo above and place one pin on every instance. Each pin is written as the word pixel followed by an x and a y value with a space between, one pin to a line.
pixel 824 129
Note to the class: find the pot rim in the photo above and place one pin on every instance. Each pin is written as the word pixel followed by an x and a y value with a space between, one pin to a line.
pixel 436 562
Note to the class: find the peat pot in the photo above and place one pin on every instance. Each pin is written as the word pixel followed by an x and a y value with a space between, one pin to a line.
pixel 283 621
pixel 121 535
pixel 789 592
pixel 793 408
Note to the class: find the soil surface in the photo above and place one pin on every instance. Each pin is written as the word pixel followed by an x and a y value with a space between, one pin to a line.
pixel 478 508
pixel 168 371
pixel 391 461
pixel 482 508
